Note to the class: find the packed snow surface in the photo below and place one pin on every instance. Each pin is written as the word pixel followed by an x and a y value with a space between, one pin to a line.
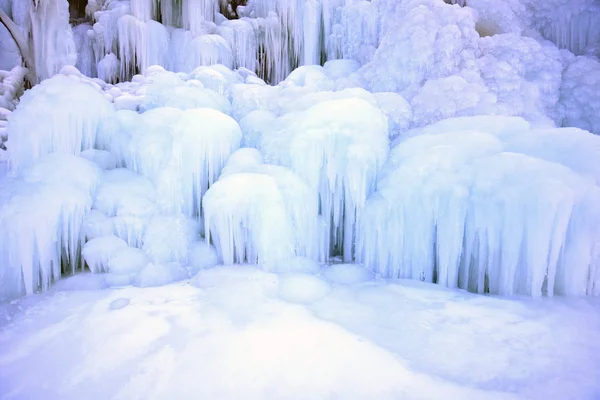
pixel 233 331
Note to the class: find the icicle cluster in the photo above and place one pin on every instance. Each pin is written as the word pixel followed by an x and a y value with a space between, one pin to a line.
pixel 338 147
pixel 36 129
pixel 41 214
pixel 461 206
pixel 262 214
pixel 271 37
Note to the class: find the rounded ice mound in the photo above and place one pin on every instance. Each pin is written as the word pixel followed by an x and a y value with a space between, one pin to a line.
pixel 246 218
pixel 397 109
pixel 159 274
pixel 255 196
pixel 347 274
pixel 96 224
pixel 340 68
pixel 502 222
pixel 338 148
pixel 168 238
pixel 127 261
pixel 104 159
pixel 129 200
pixel 246 159
pixel 202 256
pixel 212 79
pixel 254 124
pixel 309 75
pixel 169 90
pixel 302 289
pixel 301 265
pixel 69 126
pixel 98 252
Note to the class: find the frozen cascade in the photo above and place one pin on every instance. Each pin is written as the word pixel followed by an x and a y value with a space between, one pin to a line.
pixel 272 38
pixel 52 40
pixel 70 126
pixel 338 147
pixel 41 214
pixel 450 208
pixel 254 205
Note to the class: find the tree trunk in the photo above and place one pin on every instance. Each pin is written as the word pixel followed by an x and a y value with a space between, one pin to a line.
pixel 22 45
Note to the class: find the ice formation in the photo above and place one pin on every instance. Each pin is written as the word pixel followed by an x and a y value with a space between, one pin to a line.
pixel 461 206
pixel 170 112
pixel 338 147
pixel 41 214
pixel 254 205
pixel 69 126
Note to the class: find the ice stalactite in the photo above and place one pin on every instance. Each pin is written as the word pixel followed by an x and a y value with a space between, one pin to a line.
pixel 70 126
pixel 262 214
pixel 270 37
pixel 52 40
pixel 338 147
pixel 41 214
pixel 450 208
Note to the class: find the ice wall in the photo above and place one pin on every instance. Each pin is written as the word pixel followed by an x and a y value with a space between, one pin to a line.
pixel 41 214
pixel 489 205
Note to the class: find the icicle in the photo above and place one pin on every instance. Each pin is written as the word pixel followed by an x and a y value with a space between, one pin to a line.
pixel 209 50
pixel 143 9
pixel 40 222
pixel 52 39
pixel 195 12
pixel 69 126
pixel 108 68
pixel 312 33
pixel 339 154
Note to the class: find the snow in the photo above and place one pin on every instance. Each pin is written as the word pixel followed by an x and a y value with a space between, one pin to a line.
pixel 387 340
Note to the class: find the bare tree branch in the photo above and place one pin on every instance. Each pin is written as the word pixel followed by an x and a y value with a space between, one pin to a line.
pixel 22 45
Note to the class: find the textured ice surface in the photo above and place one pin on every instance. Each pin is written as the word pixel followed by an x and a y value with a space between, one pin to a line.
pixel 384 340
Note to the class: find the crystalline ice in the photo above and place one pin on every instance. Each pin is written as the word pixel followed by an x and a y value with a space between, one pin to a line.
pixel 70 126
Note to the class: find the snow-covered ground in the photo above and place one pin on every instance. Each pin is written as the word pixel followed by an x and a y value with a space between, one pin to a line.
pixel 241 333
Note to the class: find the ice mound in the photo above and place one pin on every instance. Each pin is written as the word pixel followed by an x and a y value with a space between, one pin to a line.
pixel 246 218
pixel 261 213
pixel 159 274
pixel 41 214
pixel 69 126
pixel 169 90
pixel 338 147
pixel 129 200
pixel 98 252
pixel 347 274
pixel 128 261
pixel 302 289
pixel 202 256
pixel 464 209
pixel 168 238
pixel 301 265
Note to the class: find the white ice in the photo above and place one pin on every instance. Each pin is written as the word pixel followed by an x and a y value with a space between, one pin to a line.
pixel 385 340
